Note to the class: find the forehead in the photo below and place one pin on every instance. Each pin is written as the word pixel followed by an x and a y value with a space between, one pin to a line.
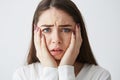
pixel 56 17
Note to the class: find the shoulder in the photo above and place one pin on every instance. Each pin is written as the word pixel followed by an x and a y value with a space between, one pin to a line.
pixel 28 67
pixel 97 72
pixel 26 71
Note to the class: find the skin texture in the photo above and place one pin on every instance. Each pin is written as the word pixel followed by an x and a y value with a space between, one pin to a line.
pixel 56 30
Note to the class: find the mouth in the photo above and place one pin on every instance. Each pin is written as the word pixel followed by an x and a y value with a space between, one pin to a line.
pixel 56 51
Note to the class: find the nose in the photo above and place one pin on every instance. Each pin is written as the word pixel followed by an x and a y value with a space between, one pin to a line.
pixel 56 37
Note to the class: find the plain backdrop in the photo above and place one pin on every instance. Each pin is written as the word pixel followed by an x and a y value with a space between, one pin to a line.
pixel 102 19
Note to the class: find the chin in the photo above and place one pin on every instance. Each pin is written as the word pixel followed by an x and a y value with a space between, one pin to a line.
pixel 58 57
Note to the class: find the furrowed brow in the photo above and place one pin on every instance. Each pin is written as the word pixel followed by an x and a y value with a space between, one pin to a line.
pixel 46 25
pixel 66 25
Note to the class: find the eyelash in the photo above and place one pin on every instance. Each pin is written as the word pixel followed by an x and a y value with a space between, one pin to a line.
pixel 67 30
pixel 48 30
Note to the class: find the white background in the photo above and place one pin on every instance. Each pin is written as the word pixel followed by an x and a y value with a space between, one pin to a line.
pixel 102 19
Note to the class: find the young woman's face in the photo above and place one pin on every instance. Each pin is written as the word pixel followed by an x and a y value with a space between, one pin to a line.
pixel 57 26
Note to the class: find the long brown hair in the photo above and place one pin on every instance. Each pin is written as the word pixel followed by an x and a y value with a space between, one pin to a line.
pixel 85 54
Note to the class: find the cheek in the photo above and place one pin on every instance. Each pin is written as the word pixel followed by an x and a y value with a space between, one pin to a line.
pixel 66 40
pixel 47 38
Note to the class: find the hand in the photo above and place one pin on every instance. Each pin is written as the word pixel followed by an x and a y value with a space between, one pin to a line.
pixel 73 49
pixel 42 52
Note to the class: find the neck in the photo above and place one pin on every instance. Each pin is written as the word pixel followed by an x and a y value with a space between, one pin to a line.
pixel 78 66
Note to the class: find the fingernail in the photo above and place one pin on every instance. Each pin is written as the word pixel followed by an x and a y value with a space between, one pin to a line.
pixel 35 27
pixel 74 32
pixel 78 25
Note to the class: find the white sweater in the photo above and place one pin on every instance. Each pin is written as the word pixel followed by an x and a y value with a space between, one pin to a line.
pixel 36 71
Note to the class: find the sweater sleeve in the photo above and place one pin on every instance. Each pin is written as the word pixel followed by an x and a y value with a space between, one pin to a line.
pixel 16 77
pixel 19 75
pixel 105 75
pixel 49 73
pixel 66 72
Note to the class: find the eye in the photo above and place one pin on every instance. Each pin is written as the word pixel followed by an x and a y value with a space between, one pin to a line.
pixel 67 30
pixel 46 30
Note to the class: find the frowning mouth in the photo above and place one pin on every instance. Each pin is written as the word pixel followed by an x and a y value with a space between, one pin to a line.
pixel 55 52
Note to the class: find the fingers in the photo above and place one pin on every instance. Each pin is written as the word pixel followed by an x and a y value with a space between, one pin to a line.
pixel 37 38
pixel 68 58
pixel 78 38
pixel 73 49
pixel 72 43
pixel 40 44
pixel 44 46
pixel 43 42
pixel 78 33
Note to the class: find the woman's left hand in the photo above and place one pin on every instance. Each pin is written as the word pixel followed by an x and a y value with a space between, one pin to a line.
pixel 73 49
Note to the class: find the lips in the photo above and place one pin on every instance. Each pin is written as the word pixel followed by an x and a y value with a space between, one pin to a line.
pixel 56 51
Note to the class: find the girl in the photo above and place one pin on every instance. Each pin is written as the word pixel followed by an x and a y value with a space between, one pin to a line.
pixel 60 49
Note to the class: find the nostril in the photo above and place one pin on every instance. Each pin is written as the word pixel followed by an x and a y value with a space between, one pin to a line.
pixel 57 41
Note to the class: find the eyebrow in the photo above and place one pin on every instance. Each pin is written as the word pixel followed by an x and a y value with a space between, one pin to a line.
pixel 66 25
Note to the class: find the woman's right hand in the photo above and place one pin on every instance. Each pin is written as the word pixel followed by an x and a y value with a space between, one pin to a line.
pixel 41 49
